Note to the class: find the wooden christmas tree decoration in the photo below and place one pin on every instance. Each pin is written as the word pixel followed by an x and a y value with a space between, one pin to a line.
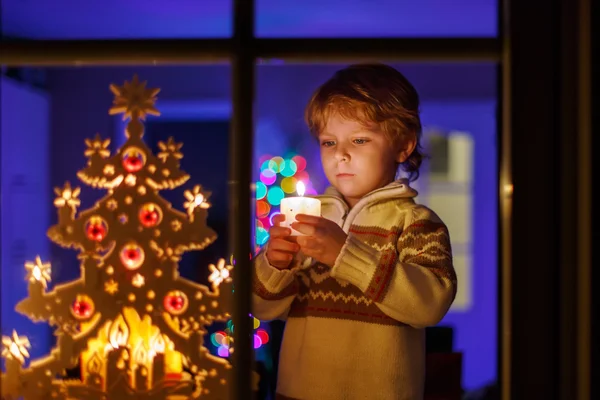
pixel 134 326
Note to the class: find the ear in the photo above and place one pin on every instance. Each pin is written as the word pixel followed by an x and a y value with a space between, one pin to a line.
pixel 406 149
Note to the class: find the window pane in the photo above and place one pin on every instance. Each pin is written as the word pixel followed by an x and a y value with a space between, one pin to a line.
pixel 50 118
pixel 113 19
pixel 136 19
pixel 458 181
pixel 377 18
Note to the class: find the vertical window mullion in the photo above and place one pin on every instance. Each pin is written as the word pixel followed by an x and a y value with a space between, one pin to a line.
pixel 240 172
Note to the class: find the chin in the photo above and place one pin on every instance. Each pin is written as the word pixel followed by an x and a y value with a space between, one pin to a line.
pixel 351 192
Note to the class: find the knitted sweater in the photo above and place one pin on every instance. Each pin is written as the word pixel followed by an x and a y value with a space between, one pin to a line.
pixel 355 331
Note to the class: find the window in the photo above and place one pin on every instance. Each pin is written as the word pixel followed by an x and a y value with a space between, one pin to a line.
pixel 198 109
pixel 308 37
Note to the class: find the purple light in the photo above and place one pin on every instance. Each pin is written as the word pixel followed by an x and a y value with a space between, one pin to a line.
pixel 257 342
pixel 223 351
pixel 268 177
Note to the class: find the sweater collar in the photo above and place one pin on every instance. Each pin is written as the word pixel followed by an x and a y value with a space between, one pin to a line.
pixel 399 188
pixel 394 190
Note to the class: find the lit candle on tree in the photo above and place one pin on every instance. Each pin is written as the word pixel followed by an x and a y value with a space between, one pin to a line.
pixel 140 360
pixel 38 275
pixel 118 354
pixel 15 350
pixel 94 368
pixel 292 206
pixel 158 367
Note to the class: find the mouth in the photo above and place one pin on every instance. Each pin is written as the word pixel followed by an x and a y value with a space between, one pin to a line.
pixel 344 175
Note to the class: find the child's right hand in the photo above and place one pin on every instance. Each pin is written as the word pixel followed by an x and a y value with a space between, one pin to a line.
pixel 282 247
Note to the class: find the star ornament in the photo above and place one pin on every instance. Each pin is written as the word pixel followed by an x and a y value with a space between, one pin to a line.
pixel 67 196
pixel 219 273
pixel 38 271
pixel 15 347
pixel 97 146
pixel 170 149
pixel 195 198
pixel 134 100
pixel 111 287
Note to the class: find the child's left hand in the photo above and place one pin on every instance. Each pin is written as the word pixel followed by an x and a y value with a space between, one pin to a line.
pixel 324 239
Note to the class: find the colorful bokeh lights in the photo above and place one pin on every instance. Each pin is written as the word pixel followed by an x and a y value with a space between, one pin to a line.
pixel 277 179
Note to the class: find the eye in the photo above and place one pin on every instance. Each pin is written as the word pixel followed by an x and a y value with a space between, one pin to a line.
pixel 360 141
pixel 327 143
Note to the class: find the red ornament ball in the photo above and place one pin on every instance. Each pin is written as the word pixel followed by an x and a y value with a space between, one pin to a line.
pixel 82 307
pixel 132 256
pixel 133 159
pixel 175 302
pixel 150 215
pixel 96 229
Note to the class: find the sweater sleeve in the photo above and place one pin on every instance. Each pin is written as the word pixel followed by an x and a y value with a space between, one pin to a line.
pixel 414 283
pixel 273 290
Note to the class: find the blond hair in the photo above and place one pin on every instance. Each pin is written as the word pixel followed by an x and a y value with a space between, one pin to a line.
pixel 377 96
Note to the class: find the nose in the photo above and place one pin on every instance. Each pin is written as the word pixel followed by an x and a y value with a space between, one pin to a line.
pixel 341 154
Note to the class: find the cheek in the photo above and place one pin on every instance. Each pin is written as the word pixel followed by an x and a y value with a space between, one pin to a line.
pixel 378 163
pixel 327 159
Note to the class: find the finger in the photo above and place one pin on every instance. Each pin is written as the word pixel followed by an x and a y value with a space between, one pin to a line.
pixel 279 258
pixel 308 243
pixel 309 219
pixel 275 255
pixel 278 219
pixel 279 231
pixel 312 253
pixel 307 229
pixel 279 244
pixel 293 239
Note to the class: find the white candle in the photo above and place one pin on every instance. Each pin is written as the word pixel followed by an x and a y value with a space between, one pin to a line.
pixel 291 206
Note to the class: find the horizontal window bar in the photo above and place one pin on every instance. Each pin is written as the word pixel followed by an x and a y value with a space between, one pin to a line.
pixel 394 49
pixel 193 51
pixel 113 52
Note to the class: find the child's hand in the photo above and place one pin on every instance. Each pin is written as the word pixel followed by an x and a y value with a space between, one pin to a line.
pixel 324 239
pixel 281 248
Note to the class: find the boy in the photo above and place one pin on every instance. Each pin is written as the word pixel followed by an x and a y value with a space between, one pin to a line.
pixel 376 269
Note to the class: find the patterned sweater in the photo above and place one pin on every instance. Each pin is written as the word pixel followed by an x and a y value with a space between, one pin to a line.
pixel 355 331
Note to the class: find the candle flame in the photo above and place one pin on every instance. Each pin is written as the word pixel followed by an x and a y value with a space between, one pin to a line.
pixel 300 188
pixel 15 347
pixel 158 344
pixel 38 271
pixel 119 333
pixel 95 364
pixel 140 355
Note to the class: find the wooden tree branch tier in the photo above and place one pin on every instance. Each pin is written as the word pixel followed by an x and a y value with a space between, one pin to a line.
pixel 132 324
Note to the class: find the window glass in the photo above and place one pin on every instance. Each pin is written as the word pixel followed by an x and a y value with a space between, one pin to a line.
pixel 377 18
pixel 131 199
pixel 137 19
pixel 113 19
pixel 458 181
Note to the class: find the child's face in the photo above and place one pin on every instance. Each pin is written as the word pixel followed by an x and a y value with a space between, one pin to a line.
pixel 357 160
